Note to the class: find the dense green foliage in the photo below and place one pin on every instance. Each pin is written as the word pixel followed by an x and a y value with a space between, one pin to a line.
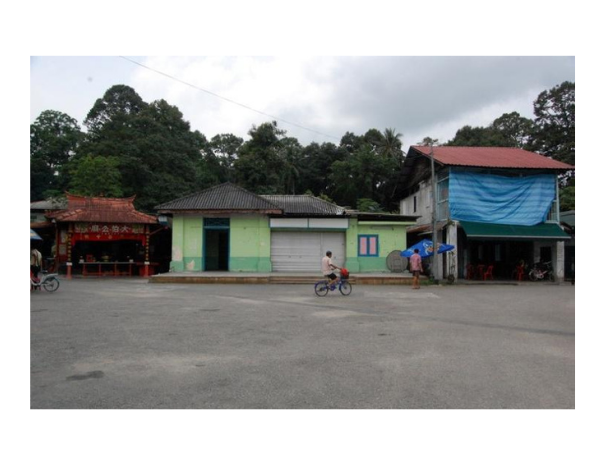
pixel 509 130
pixel 132 147
pixel 97 177
pixel 555 112
pixel 54 139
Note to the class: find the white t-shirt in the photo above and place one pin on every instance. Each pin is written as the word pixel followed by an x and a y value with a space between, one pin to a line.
pixel 326 269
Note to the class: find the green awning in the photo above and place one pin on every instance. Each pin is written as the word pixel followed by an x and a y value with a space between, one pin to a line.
pixel 510 231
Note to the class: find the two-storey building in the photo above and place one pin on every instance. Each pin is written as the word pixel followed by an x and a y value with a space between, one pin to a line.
pixel 499 206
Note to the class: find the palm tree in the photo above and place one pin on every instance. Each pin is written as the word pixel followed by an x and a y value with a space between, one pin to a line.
pixel 390 145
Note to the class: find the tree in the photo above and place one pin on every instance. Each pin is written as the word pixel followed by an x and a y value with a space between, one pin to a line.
pixel 364 174
pixel 390 147
pixel 427 141
pixel 508 130
pixel 159 157
pixel 54 139
pixel 350 142
pixel 113 132
pixel 368 205
pixel 168 153
pixel 259 166
pixel 225 147
pixel 316 166
pixel 514 129
pixel 555 112
pixel 290 152
pixel 555 134
pixel 374 138
pixel 469 136
pixel 567 198
pixel 96 177
pixel 390 144
pixel 117 107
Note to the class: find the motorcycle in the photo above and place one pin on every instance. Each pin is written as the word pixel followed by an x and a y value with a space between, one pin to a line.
pixel 542 271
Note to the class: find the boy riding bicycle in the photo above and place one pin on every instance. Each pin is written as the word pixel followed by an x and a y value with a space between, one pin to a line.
pixel 328 267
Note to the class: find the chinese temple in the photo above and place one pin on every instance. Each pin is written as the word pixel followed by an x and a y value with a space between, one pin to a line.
pixel 103 236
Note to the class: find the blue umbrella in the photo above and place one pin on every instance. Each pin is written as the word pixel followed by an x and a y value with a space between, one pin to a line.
pixel 425 249
pixel 33 235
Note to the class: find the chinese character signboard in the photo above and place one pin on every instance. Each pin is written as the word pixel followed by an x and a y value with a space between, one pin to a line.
pixel 108 232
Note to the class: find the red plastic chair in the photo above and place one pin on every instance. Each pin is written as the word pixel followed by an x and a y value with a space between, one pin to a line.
pixel 470 271
pixel 488 273
pixel 520 272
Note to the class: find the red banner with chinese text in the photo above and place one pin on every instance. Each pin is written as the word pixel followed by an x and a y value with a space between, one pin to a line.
pixel 108 232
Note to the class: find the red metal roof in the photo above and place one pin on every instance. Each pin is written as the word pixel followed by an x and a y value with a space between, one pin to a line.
pixel 492 157
pixel 101 210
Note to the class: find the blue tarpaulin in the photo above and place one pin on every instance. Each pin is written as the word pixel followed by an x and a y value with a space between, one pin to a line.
pixel 488 198
pixel 425 249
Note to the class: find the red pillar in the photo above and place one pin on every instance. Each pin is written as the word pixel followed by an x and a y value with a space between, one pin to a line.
pixel 69 252
pixel 146 250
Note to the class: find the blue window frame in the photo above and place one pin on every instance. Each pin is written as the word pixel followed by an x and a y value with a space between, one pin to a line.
pixel 367 245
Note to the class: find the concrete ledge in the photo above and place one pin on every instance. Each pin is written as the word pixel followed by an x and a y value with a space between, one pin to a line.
pixel 209 279
pixel 276 278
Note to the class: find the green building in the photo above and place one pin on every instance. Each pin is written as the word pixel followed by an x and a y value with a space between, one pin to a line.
pixel 227 228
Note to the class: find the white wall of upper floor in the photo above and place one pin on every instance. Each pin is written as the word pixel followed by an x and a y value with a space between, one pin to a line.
pixel 419 203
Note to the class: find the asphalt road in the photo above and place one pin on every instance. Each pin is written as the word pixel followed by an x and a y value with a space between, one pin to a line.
pixel 128 344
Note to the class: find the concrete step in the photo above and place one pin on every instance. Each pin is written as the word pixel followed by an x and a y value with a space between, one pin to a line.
pixel 234 278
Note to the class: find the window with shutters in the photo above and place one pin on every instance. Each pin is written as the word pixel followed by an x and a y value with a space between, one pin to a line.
pixel 368 245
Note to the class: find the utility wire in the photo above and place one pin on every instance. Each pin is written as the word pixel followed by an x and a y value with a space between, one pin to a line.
pixel 226 99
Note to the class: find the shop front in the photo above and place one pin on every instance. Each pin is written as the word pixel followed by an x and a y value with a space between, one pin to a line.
pixel 507 247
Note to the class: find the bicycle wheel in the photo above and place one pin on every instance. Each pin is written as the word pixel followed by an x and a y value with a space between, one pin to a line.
pixel 51 285
pixel 345 287
pixel 321 288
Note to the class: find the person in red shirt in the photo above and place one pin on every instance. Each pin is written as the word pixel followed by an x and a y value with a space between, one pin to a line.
pixel 416 269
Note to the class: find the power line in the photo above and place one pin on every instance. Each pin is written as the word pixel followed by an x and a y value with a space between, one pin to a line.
pixel 226 99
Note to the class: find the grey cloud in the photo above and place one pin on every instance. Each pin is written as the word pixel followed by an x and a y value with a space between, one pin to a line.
pixel 412 93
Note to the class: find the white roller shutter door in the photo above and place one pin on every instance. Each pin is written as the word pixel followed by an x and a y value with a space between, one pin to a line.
pixel 302 251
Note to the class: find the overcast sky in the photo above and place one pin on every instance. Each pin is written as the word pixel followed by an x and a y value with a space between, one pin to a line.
pixel 314 98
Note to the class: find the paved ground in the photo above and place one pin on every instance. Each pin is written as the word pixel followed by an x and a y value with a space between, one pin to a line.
pixel 125 343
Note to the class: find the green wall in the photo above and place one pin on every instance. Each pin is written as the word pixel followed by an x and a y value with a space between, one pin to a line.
pixel 187 243
pixel 250 244
pixel 391 236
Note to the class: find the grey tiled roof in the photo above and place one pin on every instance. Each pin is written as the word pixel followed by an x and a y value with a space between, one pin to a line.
pixel 304 205
pixel 231 197
pixel 49 204
pixel 225 196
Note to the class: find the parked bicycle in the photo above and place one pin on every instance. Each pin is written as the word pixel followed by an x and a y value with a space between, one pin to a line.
pixel 50 282
pixel 542 271
pixel 344 286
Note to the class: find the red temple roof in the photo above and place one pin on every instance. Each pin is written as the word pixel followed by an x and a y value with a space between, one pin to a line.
pixel 101 210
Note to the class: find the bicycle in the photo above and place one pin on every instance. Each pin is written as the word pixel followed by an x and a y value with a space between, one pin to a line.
pixel 50 282
pixel 542 271
pixel 343 284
